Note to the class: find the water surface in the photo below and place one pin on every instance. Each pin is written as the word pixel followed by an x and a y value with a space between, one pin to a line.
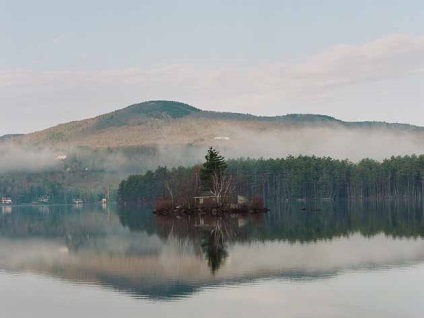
pixel 331 260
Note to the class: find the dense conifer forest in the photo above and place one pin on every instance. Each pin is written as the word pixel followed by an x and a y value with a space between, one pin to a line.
pixel 291 178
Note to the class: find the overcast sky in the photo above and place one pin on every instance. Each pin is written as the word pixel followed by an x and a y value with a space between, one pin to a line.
pixel 69 60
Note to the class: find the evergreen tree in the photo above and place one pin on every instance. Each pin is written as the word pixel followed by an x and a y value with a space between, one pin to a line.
pixel 214 165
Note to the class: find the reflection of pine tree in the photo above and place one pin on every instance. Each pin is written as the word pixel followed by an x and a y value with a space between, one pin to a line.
pixel 214 166
pixel 215 247
pixel 216 255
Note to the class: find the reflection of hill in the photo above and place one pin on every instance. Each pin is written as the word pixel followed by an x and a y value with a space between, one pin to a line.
pixel 163 258
pixel 175 272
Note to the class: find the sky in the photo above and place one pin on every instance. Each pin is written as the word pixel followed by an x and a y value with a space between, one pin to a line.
pixel 69 60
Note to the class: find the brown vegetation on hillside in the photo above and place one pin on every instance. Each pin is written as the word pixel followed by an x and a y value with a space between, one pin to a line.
pixel 162 124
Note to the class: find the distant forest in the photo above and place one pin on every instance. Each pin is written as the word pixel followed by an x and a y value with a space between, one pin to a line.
pixel 291 178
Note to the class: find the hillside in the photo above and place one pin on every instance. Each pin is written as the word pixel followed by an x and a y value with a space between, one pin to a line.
pixel 173 123
pixel 141 113
pixel 87 159
pixel 9 137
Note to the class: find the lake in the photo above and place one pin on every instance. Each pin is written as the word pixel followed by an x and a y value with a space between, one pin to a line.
pixel 319 259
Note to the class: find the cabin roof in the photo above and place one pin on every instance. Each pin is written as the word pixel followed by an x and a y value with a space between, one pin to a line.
pixel 205 194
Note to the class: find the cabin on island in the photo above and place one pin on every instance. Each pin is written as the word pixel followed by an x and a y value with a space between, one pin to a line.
pixel 204 199
pixel 208 199
pixel 6 201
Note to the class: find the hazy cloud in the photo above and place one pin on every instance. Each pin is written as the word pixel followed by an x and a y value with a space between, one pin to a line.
pixel 18 158
pixel 271 88
pixel 387 57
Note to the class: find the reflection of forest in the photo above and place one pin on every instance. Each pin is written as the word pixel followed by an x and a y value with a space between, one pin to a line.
pixel 393 217
pixel 297 222
pixel 287 222
pixel 134 251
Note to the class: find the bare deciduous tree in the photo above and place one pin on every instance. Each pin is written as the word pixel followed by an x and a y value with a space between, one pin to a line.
pixel 222 186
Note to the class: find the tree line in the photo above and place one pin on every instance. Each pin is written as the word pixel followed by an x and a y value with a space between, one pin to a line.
pixel 58 186
pixel 290 178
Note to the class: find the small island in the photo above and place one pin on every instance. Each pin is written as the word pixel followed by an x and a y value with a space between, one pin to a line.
pixel 200 190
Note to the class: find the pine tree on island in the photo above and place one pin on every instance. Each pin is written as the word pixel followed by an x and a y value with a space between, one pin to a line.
pixel 214 167
pixel 214 180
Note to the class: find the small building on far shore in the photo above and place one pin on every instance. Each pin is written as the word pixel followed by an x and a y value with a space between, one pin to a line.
pixel 6 201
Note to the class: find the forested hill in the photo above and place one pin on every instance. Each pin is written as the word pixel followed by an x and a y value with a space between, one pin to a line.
pixel 9 136
pixel 141 113
pixel 169 122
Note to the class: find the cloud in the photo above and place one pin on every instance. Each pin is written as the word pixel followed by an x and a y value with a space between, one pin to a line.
pixel 318 80
pixel 388 57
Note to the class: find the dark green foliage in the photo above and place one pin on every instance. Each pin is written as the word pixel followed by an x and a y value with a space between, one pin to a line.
pixel 180 184
pixel 57 186
pixel 301 177
pixel 161 108
pixel 311 177
pixel 138 113
pixel 214 166
pixel 308 120
pixel 300 119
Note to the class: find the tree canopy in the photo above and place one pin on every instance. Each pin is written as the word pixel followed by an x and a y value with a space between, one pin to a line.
pixel 214 165
pixel 299 177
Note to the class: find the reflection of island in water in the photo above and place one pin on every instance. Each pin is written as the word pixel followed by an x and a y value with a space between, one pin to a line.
pixel 162 258
pixel 209 235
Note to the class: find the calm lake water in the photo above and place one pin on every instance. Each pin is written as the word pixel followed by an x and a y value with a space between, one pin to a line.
pixel 331 260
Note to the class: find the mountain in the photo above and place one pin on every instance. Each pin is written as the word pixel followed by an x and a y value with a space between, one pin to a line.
pixel 170 123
